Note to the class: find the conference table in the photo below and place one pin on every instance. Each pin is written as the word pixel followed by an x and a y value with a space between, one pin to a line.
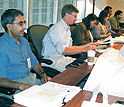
pixel 84 95
pixel 73 76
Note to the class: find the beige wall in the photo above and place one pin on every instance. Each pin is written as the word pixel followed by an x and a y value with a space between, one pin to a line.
pixel 116 5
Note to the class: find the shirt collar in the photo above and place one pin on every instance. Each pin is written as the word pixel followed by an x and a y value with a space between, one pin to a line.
pixel 6 35
pixel 65 25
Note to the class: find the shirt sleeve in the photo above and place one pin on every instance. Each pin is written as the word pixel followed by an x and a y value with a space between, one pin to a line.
pixel 57 37
pixel 2 63
pixel 97 32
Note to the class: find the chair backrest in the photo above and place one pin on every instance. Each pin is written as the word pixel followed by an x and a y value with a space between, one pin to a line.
pixel 36 34
pixel 72 27
pixel 1 34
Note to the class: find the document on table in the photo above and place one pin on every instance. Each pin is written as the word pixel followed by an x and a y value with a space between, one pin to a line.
pixel 49 94
pixel 119 39
pixel 110 40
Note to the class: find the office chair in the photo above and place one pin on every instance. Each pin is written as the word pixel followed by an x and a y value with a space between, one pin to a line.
pixel 72 26
pixel 1 34
pixel 6 102
pixel 36 34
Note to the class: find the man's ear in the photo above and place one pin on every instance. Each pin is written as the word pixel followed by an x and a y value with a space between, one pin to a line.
pixel 66 14
pixel 9 26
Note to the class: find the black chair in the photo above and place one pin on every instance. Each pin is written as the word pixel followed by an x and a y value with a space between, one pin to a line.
pixel 72 26
pixel 1 34
pixel 4 101
pixel 36 34
pixel 7 91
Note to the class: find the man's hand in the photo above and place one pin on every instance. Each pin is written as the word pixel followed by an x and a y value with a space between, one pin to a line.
pixel 108 34
pixel 90 46
pixel 38 69
pixel 24 86
pixel 44 78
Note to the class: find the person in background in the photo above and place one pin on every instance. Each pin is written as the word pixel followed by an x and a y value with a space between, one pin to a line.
pixel 109 9
pixel 115 20
pixel 108 25
pixel 57 43
pixel 81 33
pixel 16 57
pixel 100 31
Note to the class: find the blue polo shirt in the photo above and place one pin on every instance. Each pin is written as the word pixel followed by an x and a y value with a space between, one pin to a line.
pixel 13 58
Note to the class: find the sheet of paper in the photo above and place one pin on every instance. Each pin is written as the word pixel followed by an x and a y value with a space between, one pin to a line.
pixel 119 39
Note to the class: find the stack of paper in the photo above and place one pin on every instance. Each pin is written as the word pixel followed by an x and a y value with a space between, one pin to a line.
pixel 105 41
pixel 49 94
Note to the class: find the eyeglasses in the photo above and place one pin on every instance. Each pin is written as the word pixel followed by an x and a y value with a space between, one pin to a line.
pixel 73 15
pixel 21 23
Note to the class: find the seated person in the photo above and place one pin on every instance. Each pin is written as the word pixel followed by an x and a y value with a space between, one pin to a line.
pixel 109 9
pixel 100 31
pixel 108 25
pixel 80 34
pixel 58 42
pixel 115 20
pixel 16 57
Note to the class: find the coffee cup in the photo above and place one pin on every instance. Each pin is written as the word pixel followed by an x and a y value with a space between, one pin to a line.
pixel 91 57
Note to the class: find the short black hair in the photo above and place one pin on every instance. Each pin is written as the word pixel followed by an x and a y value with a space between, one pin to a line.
pixel 8 17
pixel 118 12
pixel 68 8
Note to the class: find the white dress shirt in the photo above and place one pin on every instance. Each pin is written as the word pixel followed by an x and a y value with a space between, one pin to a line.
pixel 55 41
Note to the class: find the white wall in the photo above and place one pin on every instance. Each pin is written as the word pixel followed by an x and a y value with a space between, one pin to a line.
pixel 99 5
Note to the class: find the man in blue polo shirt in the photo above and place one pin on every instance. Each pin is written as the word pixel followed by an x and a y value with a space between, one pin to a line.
pixel 16 57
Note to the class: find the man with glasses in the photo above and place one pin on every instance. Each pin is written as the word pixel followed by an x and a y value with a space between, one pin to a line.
pixel 57 43
pixel 16 57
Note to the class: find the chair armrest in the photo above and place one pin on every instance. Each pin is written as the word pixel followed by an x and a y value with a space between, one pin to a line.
pixel 47 61
pixel 8 91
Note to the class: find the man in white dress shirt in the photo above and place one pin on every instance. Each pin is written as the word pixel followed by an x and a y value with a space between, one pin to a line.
pixel 58 42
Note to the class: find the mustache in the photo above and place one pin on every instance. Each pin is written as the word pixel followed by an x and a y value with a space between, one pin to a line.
pixel 24 30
